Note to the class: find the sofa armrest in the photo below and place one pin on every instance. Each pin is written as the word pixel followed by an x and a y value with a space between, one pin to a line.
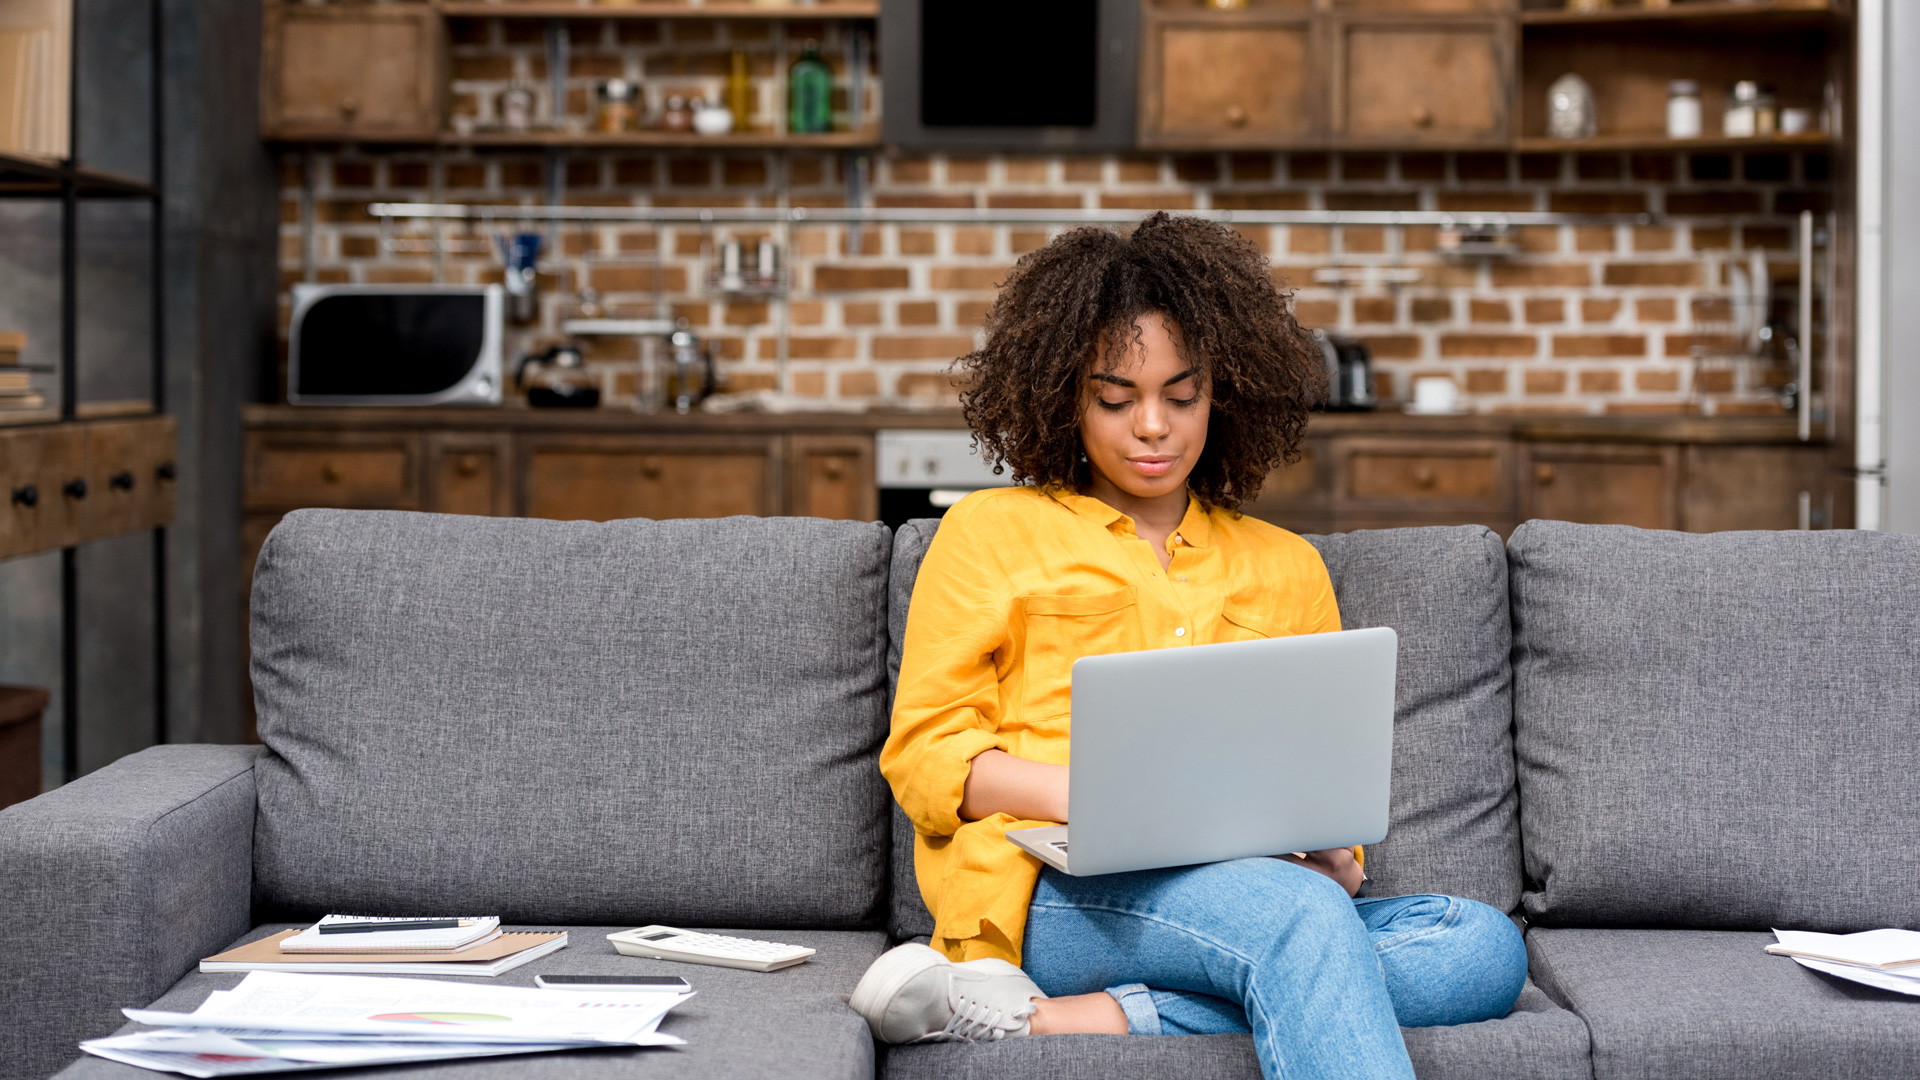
pixel 112 887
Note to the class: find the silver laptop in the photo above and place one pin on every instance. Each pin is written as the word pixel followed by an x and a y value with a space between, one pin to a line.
pixel 1216 752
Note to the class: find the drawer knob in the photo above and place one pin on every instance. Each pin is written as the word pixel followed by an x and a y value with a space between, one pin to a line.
pixel 349 108
pixel 74 489
pixel 26 495
pixel 1236 116
pixel 650 468
pixel 833 470
pixel 1543 473
pixel 1424 476
pixel 121 481
pixel 1421 116
pixel 329 472
pixel 165 471
pixel 467 465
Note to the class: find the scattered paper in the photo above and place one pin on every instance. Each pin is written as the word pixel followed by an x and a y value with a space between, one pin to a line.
pixel 281 1022
pixel 1875 977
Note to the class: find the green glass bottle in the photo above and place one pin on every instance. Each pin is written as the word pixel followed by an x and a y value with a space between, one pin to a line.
pixel 809 93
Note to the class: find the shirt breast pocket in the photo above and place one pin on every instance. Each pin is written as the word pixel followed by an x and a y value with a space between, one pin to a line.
pixel 1243 624
pixel 1062 629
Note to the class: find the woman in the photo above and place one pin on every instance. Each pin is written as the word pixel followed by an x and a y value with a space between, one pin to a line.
pixel 1140 389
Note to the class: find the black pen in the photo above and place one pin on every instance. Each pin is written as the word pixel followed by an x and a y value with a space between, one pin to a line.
pixel 382 927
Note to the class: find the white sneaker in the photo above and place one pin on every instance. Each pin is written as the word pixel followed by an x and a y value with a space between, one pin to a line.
pixel 914 994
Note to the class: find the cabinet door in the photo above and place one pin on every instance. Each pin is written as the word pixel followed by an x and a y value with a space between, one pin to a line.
pixel 1295 496
pixel 832 476
pixel 1597 484
pixel 467 474
pixel 1235 80
pixel 367 71
pixel 1755 487
pixel 1410 80
pixel 603 479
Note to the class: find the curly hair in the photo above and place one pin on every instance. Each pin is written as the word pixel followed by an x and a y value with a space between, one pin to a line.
pixel 1077 299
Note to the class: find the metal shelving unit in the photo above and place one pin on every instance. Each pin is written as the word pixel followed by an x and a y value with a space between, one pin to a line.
pixel 70 182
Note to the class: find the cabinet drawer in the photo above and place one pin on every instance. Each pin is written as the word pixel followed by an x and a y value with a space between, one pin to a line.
pixel 128 484
pixel 648 480
pixel 349 472
pixel 1602 484
pixel 1421 477
pixel 1389 475
pixel 1411 80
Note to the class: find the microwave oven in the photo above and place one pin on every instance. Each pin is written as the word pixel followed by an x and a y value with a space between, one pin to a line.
pixel 395 345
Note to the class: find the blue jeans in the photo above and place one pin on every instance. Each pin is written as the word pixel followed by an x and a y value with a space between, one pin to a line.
pixel 1323 982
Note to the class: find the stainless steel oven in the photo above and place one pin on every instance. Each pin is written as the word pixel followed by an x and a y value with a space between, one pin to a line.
pixel 922 473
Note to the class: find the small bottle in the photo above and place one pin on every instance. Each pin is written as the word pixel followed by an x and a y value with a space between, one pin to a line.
pixel 677 117
pixel 740 92
pixel 1683 109
pixel 809 93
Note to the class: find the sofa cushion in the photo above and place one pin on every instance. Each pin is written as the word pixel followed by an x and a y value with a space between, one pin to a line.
pixel 1711 1005
pixel 1717 731
pixel 627 722
pixel 1452 827
pixel 907 914
pixel 788 1023
pixel 1537 1041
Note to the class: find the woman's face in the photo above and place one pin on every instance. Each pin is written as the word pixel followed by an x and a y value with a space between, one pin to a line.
pixel 1143 414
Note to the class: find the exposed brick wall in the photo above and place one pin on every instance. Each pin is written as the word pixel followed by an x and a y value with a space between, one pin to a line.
pixel 1583 319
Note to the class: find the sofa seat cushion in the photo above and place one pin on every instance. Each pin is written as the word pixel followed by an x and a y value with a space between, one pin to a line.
pixel 1711 1005
pixel 573 721
pixel 1717 732
pixel 789 1023
pixel 1537 1041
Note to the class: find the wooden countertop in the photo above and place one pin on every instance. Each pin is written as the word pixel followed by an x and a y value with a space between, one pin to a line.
pixel 1628 429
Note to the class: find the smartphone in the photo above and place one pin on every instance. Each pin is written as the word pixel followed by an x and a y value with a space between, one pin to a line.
pixel 656 984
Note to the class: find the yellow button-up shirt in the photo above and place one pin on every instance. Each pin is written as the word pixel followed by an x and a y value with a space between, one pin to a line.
pixel 1017 585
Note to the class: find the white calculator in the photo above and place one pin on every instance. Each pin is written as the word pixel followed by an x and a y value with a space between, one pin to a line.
pixel 691 947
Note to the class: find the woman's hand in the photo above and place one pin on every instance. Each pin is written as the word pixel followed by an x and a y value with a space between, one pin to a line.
pixel 999 783
pixel 1337 863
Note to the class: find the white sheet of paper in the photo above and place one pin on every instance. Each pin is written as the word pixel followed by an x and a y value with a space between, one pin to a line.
pixel 1874 948
pixel 1866 976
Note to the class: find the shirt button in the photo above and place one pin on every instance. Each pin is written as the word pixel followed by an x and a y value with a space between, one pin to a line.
pixel 1179 631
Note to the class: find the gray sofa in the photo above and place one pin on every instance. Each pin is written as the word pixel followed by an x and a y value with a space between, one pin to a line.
pixel 1648 746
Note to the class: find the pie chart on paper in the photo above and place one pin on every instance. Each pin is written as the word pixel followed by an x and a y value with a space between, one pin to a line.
pixel 441 1018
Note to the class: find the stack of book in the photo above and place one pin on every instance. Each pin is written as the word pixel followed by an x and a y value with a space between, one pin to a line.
pixel 1888 959
pixel 360 945
pixel 16 388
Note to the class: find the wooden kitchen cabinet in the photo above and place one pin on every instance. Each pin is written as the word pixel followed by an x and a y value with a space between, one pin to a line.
pixel 351 71
pixel 1412 80
pixel 1247 78
pixel 1597 483
pixel 1753 487
pixel 609 477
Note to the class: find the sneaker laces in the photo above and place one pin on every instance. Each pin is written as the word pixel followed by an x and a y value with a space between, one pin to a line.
pixel 975 1021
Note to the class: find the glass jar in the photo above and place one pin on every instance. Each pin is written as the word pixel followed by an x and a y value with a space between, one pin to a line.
pixel 1751 111
pixel 1683 109
pixel 619 106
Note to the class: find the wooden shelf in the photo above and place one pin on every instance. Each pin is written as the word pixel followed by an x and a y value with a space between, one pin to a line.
pixel 1754 12
pixel 748 140
pixel 1656 141
pixel 728 9
pixel 37 176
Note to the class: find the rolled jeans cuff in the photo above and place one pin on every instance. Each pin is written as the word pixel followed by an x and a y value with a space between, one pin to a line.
pixel 1137 1002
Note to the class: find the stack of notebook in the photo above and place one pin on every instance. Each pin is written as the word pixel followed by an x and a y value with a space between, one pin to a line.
pixel 347 944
